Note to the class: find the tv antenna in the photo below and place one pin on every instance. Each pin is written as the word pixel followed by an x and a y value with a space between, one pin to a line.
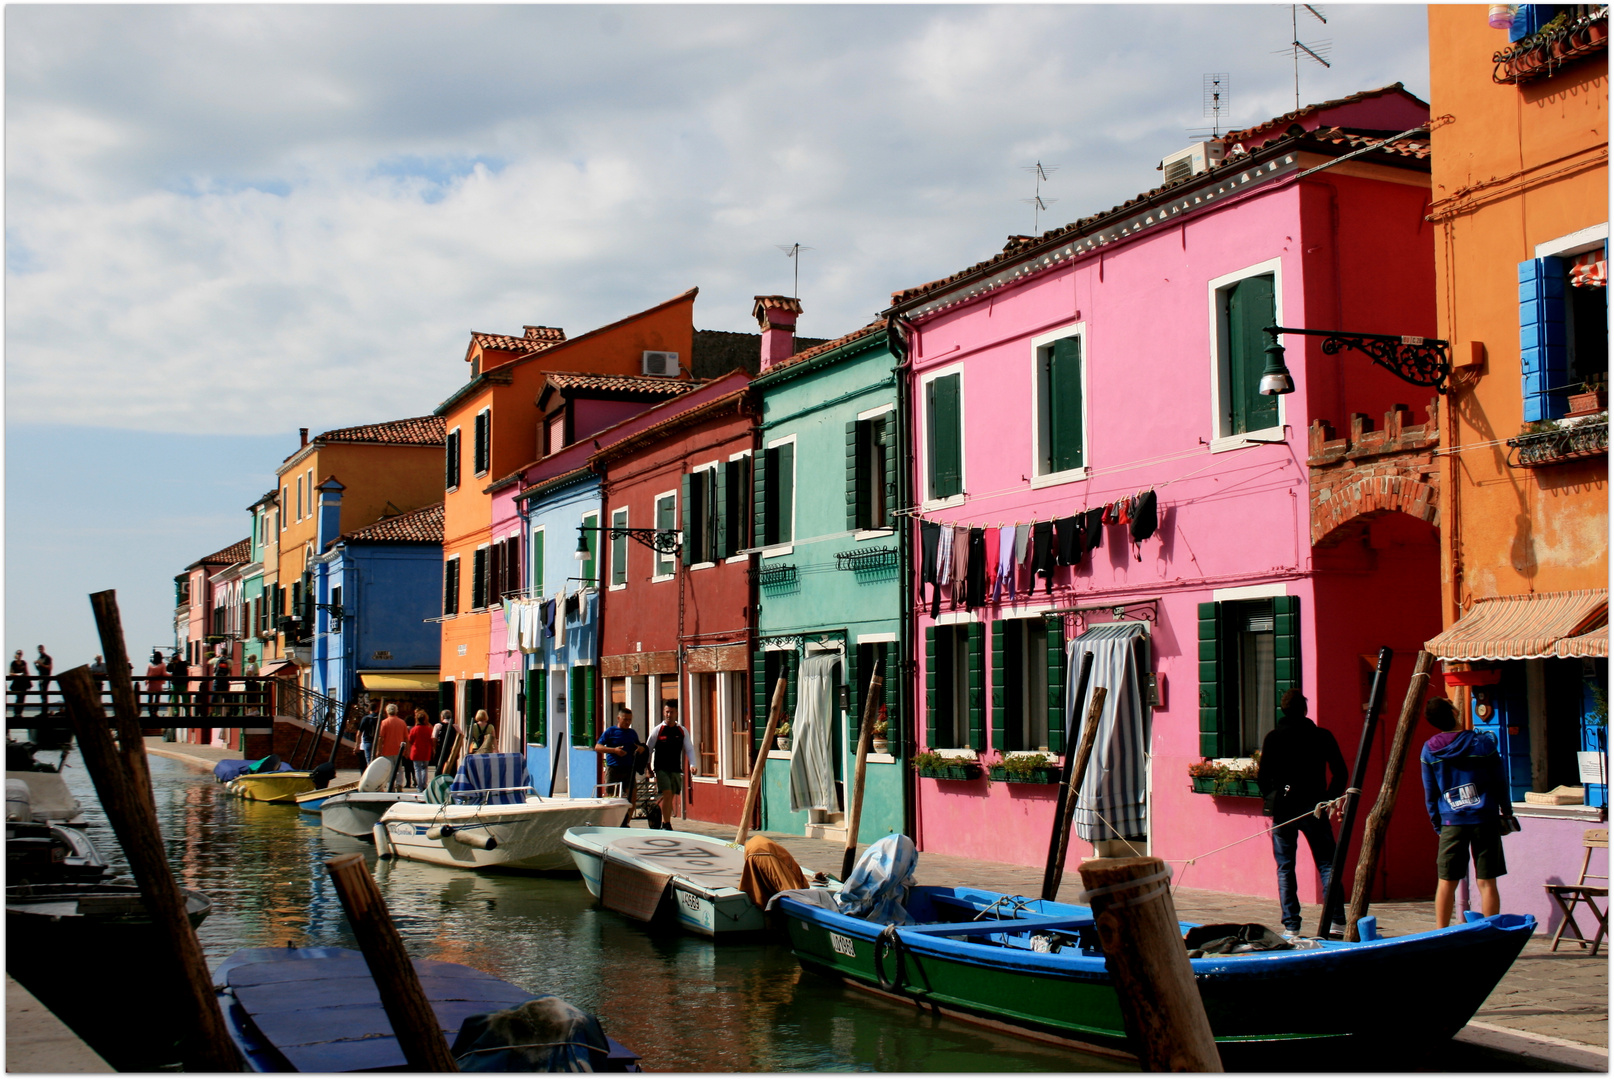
pixel 1038 203
pixel 793 251
pixel 1218 98
pixel 1315 51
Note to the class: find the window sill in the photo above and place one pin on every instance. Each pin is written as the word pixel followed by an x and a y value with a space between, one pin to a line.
pixel 779 755
pixel 872 534
pixel 962 753
pixel 1069 476
pixel 702 565
pixel 732 559
pixel 880 759
pixel 661 577
pixel 1223 443
pixel 616 588
pixel 942 504
pixel 1577 813
pixel 775 552
pixel 737 783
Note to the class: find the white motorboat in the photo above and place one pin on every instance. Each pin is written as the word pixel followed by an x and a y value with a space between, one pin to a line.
pixel 42 797
pixel 355 812
pixel 492 821
pixel 696 878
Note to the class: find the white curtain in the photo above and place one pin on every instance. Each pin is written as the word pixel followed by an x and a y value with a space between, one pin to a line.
pixel 812 772
pixel 1113 789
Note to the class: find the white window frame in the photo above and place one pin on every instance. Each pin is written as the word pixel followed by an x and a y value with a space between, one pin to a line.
pixel 923 448
pixel 743 556
pixel 655 523
pixel 1221 375
pixel 311 508
pixel 785 549
pixel 1251 592
pixel 1077 330
pixel 280 513
pixel 711 491
pixel 870 414
pixel 459 462
pixel 613 586
pixel 1574 243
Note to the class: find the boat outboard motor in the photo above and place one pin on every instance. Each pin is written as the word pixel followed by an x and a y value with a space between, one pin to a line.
pixel 19 804
pixel 322 774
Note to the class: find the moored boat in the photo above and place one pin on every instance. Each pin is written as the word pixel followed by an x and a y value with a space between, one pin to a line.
pixel 37 795
pixel 649 874
pixel 318 1010
pixel 355 813
pixel 1036 967
pixel 39 853
pixel 312 802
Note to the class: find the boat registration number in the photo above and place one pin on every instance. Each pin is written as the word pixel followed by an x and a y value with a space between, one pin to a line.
pixel 841 944
pixel 690 902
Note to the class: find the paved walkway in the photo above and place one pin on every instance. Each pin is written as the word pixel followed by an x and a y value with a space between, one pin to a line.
pixel 37 1042
pixel 1552 1007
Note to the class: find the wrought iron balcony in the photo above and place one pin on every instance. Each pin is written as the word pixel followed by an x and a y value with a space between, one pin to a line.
pixel 1569 443
pixel 1582 32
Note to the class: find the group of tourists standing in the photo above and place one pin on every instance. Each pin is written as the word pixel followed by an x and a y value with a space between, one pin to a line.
pixel 385 733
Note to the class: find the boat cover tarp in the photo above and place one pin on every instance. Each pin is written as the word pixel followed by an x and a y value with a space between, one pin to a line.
pixel 632 890
pixel 769 868
pixel 812 772
pixel 1113 789
pixel 545 1034
pixel 878 885
pixel 230 768
pixel 492 780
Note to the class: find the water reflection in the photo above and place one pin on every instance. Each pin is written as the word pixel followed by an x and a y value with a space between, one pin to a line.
pixel 682 1003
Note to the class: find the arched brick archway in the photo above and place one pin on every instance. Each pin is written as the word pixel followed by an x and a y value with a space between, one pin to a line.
pixel 1372 472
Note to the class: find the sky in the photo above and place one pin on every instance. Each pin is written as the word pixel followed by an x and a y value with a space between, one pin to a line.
pixel 226 222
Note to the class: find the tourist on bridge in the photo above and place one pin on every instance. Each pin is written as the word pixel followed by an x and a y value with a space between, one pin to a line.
pixel 98 673
pixel 156 674
pixel 179 684
pixel 221 684
pixel 20 682
pixel 42 664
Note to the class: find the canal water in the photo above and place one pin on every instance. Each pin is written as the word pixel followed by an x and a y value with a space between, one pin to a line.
pixel 681 1002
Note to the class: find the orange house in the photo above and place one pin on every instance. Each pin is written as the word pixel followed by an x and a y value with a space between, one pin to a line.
pixel 494 426
pixel 1519 207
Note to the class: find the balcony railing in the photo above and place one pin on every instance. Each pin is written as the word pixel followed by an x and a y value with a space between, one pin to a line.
pixel 1583 32
pixel 1570 443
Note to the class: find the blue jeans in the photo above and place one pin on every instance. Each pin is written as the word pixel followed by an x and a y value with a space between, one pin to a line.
pixel 1285 847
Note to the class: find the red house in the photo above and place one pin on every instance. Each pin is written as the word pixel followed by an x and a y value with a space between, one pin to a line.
pixel 676 619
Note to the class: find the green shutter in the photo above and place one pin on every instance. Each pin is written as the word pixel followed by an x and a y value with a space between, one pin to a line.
pixel 689 523
pixel 589 704
pixel 997 685
pixel 591 540
pixel 1065 404
pixel 854 503
pixel 976 639
pixel 537 699
pixel 785 482
pixel 760 697
pixel 1213 737
pixel 946 471
pixel 1056 683
pixel 580 702
pixel 759 498
pixel 538 563
pixel 1250 309
pixel 888 436
pixel 854 695
pixel 930 688
pixel 1285 647
pixel 895 729
pixel 718 486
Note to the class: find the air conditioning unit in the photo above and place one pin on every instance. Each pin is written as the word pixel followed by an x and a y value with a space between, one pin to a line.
pixel 1191 161
pixel 660 363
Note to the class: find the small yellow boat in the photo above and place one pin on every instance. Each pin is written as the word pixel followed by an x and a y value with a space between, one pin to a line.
pixel 272 787
pixel 311 802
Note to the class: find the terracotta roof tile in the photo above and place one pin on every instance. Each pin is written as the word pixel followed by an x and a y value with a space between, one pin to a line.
pixel 637 384
pixel 506 343
pixel 554 335
pixel 423 526
pixel 238 552
pixel 416 431
pixel 1296 114
pixel 877 326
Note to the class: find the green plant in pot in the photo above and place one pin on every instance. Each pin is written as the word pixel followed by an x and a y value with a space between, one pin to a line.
pixel 781 737
pixel 928 761
pixel 879 743
pixel 1026 767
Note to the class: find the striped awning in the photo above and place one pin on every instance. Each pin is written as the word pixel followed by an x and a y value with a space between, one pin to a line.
pixel 1589 270
pixel 1527 627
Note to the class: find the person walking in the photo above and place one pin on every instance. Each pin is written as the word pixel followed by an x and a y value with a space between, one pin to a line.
pixel 621 747
pixel 156 675
pixel 1465 790
pixel 482 732
pixel 421 745
pixel 20 682
pixel 367 729
pixel 443 739
pixel 221 685
pixel 392 733
pixel 1301 766
pixel 669 747
pixel 43 664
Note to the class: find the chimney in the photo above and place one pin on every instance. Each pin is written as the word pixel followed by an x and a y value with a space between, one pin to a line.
pixel 330 512
pixel 302 433
pixel 777 316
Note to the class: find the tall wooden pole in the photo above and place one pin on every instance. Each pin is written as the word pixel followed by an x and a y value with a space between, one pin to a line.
pixel 126 797
pixel 870 711
pixel 1089 737
pixel 775 710
pixel 1143 951
pixel 1333 898
pixel 125 703
pixel 1064 776
pixel 1378 819
pixel 414 1023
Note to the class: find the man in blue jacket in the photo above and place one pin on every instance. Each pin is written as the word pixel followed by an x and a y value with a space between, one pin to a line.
pixel 1466 793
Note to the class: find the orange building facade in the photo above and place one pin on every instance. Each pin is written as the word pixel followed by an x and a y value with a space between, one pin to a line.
pixel 1519 209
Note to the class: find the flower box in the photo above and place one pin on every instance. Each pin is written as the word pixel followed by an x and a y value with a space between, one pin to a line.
pixel 1045 775
pixel 964 770
pixel 1240 789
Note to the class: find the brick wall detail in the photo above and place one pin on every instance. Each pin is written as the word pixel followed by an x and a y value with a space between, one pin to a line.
pixel 1372 472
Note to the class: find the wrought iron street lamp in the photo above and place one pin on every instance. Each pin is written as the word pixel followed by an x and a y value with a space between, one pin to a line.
pixel 663 541
pixel 1417 360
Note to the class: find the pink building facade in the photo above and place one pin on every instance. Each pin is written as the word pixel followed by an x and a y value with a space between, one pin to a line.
pixel 1113 363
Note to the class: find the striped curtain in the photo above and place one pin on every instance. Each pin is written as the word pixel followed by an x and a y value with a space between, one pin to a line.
pixel 1113 789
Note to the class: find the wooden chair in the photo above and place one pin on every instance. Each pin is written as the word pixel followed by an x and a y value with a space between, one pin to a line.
pixel 1569 897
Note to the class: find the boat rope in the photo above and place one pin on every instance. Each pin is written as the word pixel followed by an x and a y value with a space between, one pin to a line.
pixel 1021 904
pixel 1090 895
pixel 889 938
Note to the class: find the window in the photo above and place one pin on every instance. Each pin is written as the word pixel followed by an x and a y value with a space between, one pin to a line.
pixel 582 706
pixel 537 715
pixel 944 437
pixel 736 726
pixel 336 597
pixel 1061 404
pixel 1249 654
pixel 484 425
pixel 864 658
pixel 451 461
pixel 871 471
pixel 774 491
pixel 1028 700
pixel 666 521
pixel 299 498
pixel 285 501
pixel 495 573
pixel 702 529
pixel 479 578
pixel 512 565
pixel 536 554
pixel 735 513
pixel 591 541
pixel 953 662
pixel 1563 330
pixel 1546 717
pixel 619 548
pixel 767 665
pixel 704 706
pixel 310 478
pixel 557 433
pixel 1243 305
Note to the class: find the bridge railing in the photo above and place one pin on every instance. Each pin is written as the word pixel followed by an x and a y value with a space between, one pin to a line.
pixel 245 701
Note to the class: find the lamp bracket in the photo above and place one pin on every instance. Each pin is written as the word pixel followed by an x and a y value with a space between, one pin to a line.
pixel 664 541
pixel 1417 360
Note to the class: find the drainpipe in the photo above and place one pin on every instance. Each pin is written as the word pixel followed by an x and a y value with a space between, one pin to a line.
pixel 908 699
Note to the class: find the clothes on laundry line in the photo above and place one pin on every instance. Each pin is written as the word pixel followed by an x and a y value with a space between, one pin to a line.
pixel 961 563
pixel 992 536
pixel 1022 544
pixel 1093 528
pixel 560 618
pixel 1042 554
pixel 975 590
pixel 1069 546
pixel 944 555
pixel 546 618
pixel 1145 517
pixel 929 541
pixel 1005 563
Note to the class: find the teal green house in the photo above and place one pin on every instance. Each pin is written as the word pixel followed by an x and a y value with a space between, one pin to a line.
pixel 255 611
pixel 827 482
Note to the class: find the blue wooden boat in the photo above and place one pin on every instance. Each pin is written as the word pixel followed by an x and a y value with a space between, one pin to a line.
pixel 1036 967
pixel 318 1009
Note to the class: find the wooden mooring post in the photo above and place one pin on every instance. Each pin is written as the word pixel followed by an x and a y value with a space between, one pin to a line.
pixel 1061 793
pixel 1143 950
pixel 865 732
pixel 775 709
pixel 1056 872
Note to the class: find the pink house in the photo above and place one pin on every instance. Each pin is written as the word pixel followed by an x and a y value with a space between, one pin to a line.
pixel 1068 383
